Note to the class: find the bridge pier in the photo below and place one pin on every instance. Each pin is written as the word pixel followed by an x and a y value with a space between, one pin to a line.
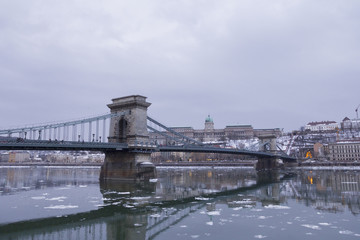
pixel 268 144
pixel 131 128
pixel 265 163
pixel 127 166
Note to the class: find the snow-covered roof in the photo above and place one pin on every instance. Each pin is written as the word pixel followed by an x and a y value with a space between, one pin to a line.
pixel 322 122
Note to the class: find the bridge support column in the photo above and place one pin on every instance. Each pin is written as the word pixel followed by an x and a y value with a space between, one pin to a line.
pixel 127 166
pixel 268 144
pixel 265 163
pixel 130 128
pixel 268 164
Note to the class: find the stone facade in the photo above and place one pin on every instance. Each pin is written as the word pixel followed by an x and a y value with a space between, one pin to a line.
pixel 210 134
pixel 344 151
pixel 132 126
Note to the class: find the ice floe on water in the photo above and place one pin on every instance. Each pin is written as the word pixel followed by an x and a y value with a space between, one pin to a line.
pixel 325 224
pixel 83 186
pixel 315 227
pixel 123 193
pixel 128 206
pixel 61 207
pixel 237 208
pixel 60 199
pixel 64 188
pixel 38 198
pixel 110 192
pixel 348 232
pixel 259 236
pixel 211 223
pixel 279 207
pixel 202 198
pixel 153 180
pixel 139 198
pixel 195 236
pixel 213 213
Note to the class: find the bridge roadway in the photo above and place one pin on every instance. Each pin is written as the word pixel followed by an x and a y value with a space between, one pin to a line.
pixel 208 149
pixel 22 144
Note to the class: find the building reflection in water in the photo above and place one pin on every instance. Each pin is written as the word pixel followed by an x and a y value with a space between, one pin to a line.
pixel 144 210
pixel 332 191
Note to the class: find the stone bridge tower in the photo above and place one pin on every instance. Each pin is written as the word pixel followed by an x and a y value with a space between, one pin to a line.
pixel 268 144
pixel 130 127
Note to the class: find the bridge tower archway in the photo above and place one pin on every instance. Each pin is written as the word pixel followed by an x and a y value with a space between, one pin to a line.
pixel 129 128
pixel 123 129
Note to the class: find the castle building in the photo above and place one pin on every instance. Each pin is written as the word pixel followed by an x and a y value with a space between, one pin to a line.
pixel 210 134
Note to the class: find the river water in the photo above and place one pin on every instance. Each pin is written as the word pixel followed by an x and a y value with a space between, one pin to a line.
pixel 182 203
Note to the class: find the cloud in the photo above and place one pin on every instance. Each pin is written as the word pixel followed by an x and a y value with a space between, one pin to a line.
pixel 267 63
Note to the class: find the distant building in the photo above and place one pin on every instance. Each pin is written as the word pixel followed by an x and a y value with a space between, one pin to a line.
pixel 15 157
pixel 323 126
pixel 4 157
pixel 344 151
pixel 270 131
pixel 210 134
pixel 348 124
pixel 235 132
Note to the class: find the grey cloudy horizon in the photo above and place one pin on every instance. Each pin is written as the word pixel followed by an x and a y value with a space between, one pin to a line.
pixel 271 64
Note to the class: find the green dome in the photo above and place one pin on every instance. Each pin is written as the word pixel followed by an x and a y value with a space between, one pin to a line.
pixel 209 119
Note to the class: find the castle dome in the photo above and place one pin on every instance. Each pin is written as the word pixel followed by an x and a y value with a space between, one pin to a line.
pixel 208 119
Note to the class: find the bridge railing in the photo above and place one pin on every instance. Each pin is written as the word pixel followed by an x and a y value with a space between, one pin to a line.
pixel 93 129
pixel 168 133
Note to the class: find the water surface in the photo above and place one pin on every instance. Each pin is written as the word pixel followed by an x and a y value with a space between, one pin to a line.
pixel 182 203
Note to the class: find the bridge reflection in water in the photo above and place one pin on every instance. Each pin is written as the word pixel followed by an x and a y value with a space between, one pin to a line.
pixel 145 210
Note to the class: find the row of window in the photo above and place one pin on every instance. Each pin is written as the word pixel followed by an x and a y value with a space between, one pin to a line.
pixel 355 146
pixel 346 151
pixel 346 155
pixel 345 159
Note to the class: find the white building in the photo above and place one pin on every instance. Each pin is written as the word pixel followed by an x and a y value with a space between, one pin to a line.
pixel 322 126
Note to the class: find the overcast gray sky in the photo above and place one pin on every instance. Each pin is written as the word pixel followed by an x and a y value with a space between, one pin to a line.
pixel 275 63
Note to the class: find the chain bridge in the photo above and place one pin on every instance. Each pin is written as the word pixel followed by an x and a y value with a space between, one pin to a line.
pixel 123 135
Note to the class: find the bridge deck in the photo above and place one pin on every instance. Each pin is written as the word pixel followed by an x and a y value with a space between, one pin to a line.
pixel 61 145
pixel 207 149
pixel 21 144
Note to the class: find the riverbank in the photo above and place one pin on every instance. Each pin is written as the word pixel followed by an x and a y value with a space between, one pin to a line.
pixel 200 164
pixel 188 164
pixel 44 164
pixel 329 164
